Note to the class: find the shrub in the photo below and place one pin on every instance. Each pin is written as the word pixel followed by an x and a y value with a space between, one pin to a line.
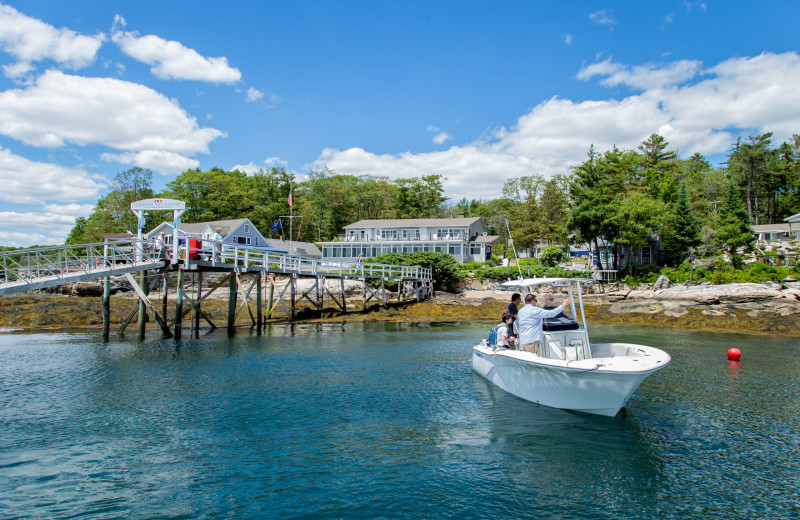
pixel 551 255
pixel 445 268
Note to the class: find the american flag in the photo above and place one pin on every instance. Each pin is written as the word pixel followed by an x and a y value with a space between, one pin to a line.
pixel 290 198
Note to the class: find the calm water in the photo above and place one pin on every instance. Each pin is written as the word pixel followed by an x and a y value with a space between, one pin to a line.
pixel 385 421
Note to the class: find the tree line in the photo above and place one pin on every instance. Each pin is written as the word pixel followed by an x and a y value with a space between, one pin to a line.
pixel 620 198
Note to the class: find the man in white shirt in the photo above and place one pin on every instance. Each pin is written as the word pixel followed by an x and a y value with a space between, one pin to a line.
pixel 529 322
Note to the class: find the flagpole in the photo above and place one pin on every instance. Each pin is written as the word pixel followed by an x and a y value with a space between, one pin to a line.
pixel 291 220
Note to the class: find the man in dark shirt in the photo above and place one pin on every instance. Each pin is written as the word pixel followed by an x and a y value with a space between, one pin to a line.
pixel 512 307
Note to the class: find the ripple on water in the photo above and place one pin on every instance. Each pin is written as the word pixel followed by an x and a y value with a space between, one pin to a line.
pixel 384 421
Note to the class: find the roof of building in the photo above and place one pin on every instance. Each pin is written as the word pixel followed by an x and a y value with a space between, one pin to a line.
pixel 413 222
pixel 487 239
pixel 299 248
pixel 793 218
pixel 226 226
pixel 766 228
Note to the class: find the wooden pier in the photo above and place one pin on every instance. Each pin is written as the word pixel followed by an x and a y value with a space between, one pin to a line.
pixel 266 278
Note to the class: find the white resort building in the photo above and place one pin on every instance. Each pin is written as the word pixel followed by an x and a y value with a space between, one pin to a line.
pixel 464 238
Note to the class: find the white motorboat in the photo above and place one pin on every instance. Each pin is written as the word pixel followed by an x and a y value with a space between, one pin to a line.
pixel 571 373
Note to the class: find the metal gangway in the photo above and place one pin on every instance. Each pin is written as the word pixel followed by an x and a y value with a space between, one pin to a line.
pixel 41 267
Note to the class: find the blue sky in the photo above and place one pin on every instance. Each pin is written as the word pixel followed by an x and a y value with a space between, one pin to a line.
pixel 478 92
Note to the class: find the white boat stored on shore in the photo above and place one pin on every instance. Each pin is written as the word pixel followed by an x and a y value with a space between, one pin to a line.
pixel 571 373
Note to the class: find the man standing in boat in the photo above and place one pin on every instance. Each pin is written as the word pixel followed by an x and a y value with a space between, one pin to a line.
pixel 529 322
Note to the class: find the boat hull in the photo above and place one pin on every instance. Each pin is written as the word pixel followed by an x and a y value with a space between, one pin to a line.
pixel 597 385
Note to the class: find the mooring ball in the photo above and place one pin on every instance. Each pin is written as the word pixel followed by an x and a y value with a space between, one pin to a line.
pixel 734 354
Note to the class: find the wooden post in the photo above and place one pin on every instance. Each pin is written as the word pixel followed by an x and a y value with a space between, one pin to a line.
pixel 293 295
pixel 270 294
pixel 165 288
pixel 179 304
pixel 197 307
pixel 106 307
pixel 232 305
pixel 344 298
pixel 142 308
pixel 259 312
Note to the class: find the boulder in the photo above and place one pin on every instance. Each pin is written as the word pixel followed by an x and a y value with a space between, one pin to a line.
pixel 90 288
pixel 662 283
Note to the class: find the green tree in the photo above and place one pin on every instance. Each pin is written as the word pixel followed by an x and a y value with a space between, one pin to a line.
pixel 683 230
pixel 112 212
pixel 420 197
pixel 733 225
pixel 639 219
pixel 749 165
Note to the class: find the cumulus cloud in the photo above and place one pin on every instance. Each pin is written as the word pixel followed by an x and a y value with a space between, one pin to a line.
pixel 30 40
pixel 568 39
pixel 441 138
pixel 642 77
pixel 251 167
pixel 165 163
pixel 738 96
pixel 30 182
pixel 19 239
pixel 28 227
pixel 172 60
pixel 253 94
pixel 60 108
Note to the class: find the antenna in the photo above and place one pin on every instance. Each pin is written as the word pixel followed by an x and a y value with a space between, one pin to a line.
pixel 508 229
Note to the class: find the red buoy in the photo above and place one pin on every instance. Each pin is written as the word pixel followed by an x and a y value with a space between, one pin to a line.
pixel 734 354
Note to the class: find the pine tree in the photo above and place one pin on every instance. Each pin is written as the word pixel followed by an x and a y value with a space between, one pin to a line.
pixel 683 230
pixel 733 224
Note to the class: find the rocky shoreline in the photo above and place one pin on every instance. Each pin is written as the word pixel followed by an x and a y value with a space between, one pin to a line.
pixel 747 307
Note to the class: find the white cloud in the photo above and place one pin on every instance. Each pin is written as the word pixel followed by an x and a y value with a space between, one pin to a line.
pixel 165 163
pixel 251 167
pixel 61 108
pixel 432 128
pixel 275 161
pixel 568 39
pixel 441 138
pixel 18 239
pixel 253 94
pixel 643 77
pixel 31 40
pixel 28 228
pixel 603 17
pixel 738 96
pixel 172 60
pixel 29 182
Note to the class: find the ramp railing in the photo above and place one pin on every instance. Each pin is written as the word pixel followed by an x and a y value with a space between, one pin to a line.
pixel 29 265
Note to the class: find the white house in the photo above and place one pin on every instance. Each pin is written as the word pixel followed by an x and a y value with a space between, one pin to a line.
pixel 789 229
pixel 464 238
pixel 238 231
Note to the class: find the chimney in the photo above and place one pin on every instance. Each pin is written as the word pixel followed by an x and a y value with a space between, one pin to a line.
pixel 460 215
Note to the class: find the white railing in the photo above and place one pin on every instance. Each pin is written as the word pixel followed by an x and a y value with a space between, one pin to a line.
pixel 249 257
pixel 28 265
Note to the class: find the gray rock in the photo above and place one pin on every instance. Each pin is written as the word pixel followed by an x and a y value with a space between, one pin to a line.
pixel 662 283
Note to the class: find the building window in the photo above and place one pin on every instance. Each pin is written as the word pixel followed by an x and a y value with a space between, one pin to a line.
pixel 647 255
pixel 475 249
pixel 247 228
pixel 244 241
pixel 389 234
pixel 411 234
